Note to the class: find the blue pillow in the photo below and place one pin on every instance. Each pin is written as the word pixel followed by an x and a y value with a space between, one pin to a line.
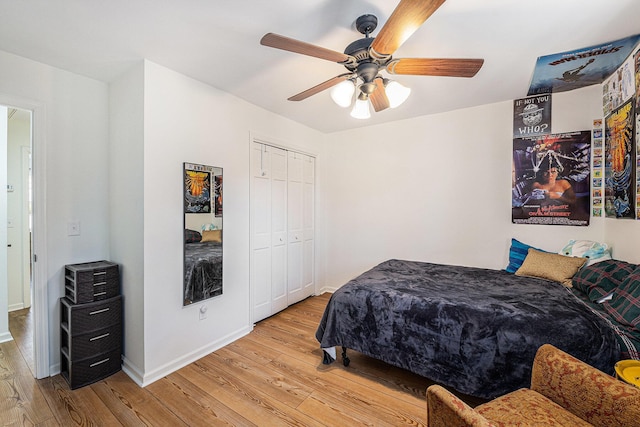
pixel 517 254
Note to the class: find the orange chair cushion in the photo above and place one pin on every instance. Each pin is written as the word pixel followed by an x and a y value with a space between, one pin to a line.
pixel 526 407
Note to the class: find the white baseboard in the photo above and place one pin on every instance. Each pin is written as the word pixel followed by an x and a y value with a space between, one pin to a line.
pixel 143 379
pixel 6 337
pixel 327 289
pixel 15 307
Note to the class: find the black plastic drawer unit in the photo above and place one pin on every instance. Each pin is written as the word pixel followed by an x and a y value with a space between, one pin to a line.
pixel 91 281
pixel 90 332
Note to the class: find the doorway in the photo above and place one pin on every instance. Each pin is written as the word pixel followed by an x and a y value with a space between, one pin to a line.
pixel 19 230
pixel 26 308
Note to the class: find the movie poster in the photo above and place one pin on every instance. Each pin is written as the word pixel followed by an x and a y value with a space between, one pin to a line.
pixel 551 179
pixel 619 159
pixel 532 116
pixel 579 68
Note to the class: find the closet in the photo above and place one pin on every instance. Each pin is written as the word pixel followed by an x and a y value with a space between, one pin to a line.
pixel 282 228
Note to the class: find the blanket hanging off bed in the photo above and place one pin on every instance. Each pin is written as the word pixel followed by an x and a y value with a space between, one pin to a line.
pixel 473 329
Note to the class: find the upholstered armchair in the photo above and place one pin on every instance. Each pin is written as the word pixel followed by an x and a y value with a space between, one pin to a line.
pixel 564 392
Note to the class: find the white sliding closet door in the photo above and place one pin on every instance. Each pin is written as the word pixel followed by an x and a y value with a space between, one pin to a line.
pixel 282 215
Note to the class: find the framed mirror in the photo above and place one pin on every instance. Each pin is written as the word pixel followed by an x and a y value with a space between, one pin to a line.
pixel 202 187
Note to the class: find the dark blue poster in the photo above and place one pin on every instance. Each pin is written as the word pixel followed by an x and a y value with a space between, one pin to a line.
pixel 579 68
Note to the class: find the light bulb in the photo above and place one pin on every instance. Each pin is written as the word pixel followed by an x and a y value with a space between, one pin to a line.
pixel 396 93
pixel 361 109
pixel 342 93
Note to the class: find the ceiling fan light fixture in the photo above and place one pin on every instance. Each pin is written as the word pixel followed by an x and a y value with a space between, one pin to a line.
pixel 396 93
pixel 361 108
pixel 342 93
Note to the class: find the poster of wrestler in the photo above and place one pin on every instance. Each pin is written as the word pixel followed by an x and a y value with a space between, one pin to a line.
pixel 579 68
pixel 551 179
pixel 619 163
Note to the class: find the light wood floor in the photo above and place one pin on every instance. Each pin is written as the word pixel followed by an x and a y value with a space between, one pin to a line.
pixel 274 376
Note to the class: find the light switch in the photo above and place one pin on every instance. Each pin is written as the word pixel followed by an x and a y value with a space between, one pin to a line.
pixel 73 228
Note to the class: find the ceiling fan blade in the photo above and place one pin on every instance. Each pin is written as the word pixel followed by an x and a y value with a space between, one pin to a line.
pixel 407 17
pixel 379 98
pixel 450 67
pixel 322 86
pixel 297 46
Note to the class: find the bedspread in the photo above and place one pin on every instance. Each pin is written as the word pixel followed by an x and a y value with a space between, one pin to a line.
pixel 473 329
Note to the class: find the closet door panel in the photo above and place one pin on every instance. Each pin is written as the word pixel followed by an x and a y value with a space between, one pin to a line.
pixel 295 227
pixel 261 229
pixel 308 224
pixel 278 229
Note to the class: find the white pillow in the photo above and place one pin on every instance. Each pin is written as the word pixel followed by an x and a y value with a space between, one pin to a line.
pixel 594 251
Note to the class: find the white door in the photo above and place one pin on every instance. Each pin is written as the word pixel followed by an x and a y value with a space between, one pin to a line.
pixel 308 221
pixel 279 247
pixel 282 228
pixel 261 230
pixel 295 228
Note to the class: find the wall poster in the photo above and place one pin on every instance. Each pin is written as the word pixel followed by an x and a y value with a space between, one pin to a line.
pixel 551 178
pixel 619 161
pixel 532 116
pixel 197 188
pixel 579 68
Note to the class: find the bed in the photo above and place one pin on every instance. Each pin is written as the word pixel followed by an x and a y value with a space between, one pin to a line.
pixel 202 270
pixel 473 329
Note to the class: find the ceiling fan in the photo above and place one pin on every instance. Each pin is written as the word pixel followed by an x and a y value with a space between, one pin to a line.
pixel 365 58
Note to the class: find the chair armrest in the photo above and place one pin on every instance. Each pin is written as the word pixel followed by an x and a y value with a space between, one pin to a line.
pixel 583 390
pixel 444 409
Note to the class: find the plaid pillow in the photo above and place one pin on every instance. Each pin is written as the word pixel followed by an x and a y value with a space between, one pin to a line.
pixel 598 280
pixel 624 307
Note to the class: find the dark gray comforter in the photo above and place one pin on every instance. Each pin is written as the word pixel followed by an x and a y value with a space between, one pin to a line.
pixel 473 329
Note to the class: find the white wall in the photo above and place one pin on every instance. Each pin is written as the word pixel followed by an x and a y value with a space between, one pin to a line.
pixel 188 121
pixel 126 207
pixel 75 136
pixel 437 189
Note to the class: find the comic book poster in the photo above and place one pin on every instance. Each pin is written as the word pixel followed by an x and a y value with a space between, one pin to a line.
pixel 551 179
pixel 619 162
pixel 532 116
pixel 197 188
pixel 619 87
pixel 579 68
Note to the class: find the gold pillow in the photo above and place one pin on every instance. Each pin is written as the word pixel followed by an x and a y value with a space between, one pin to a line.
pixel 550 266
pixel 212 236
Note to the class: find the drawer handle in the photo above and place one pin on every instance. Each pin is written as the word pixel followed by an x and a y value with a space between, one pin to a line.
pixel 99 273
pixel 99 294
pixel 99 283
pixel 99 337
pixel 98 311
pixel 99 363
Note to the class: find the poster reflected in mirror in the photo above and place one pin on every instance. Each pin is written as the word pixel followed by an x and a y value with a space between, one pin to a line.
pixel 202 200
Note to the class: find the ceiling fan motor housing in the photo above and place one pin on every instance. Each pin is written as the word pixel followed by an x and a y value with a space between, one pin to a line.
pixel 366 24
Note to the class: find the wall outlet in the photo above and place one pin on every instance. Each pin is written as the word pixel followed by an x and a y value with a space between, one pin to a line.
pixel 73 228
pixel 203 312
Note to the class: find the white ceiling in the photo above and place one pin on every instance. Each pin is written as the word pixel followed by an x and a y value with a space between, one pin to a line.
pixel 217 42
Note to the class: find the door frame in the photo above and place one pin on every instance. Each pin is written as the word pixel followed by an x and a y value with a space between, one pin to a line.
pixel 40 301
